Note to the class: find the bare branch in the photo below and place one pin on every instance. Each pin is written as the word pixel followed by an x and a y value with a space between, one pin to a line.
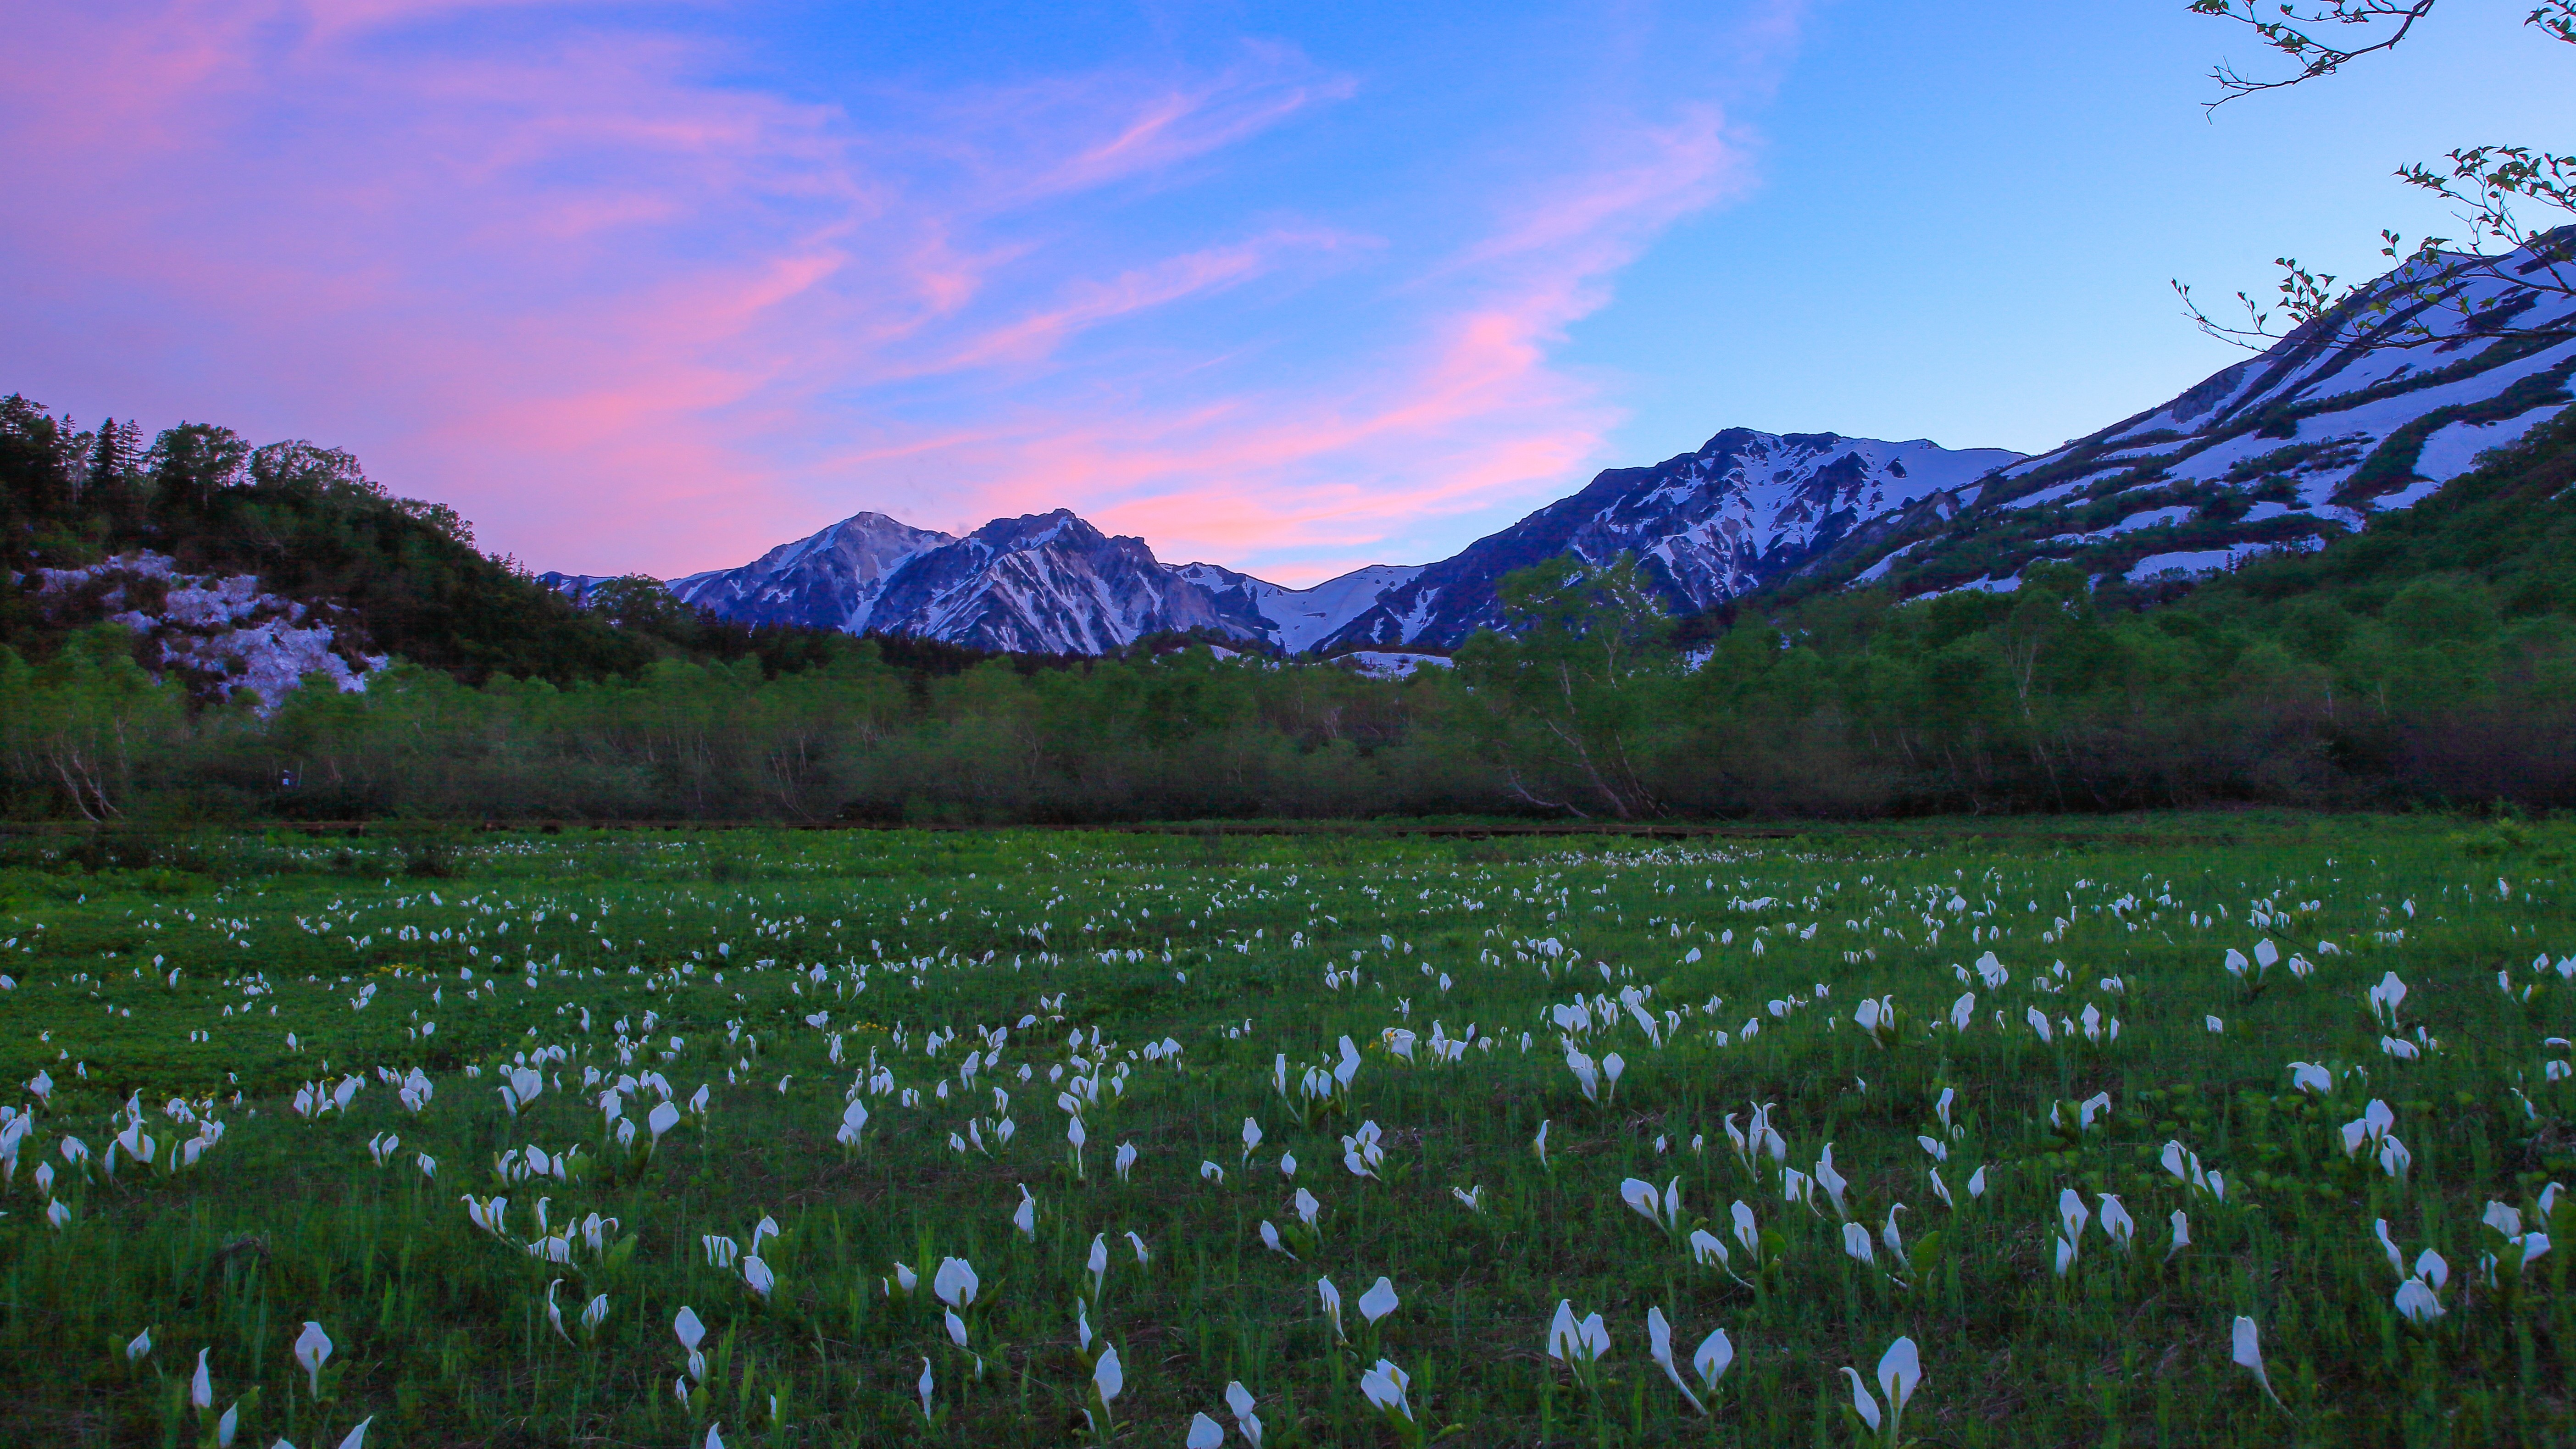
pixel 2299 33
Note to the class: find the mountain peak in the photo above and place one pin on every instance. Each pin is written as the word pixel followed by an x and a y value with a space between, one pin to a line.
pixel 1747 508
pixel 830 579
pixel 1039 530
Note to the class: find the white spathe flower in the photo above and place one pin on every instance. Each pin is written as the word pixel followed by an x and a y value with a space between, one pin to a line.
pixel 1856 1244
pixel 2117 1225
pixel 2417 1302
pixel 955 1283
pixel 2248 1354
pixel 1899 1372
pixel 2072 1214
pixel 1384 1387
pixel 1580 1342
pixel 312 1350
pixel 1659 1347
pixel 1707 1248
pixel 1107 1377
pixel 1715 1354
pixel 1379 1301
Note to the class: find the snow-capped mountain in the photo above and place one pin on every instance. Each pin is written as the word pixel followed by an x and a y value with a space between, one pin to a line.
pixel 1709 525
pixel 1042 583
pixel 2355 414
pixel 1296 620
pixel 2371 408
pixel 1045 583
pixel 1745 509
pixel 827 580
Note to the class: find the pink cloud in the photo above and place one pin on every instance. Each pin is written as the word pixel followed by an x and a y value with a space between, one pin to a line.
pixel 627 317
pixel 1090 304
pixel 1474 415
pixel 1184 124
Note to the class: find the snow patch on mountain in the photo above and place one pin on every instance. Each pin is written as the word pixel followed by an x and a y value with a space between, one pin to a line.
pixel 2454 448
pixel 1296 620
pixel 1048 583
pixel 1743 510
pixel 1043 583
pixel 219 633
pixel 2354 415
pixel 1392 664
pixel 827 580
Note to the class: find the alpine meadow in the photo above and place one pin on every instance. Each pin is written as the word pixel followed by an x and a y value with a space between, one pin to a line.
pixel 2200 1131
pixel 853 832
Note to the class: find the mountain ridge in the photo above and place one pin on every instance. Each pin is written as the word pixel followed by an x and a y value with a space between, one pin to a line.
pixel 2371 408
pixel 1709 524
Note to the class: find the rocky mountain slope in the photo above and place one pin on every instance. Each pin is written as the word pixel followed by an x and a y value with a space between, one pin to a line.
pixel 1296 620
pixel 217 633
pixel 1738 513
pixel 1046 583
pixel 2369 409
pixel 829 580
pixel 1745 509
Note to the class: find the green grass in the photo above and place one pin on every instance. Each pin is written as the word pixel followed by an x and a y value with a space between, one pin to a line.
pixel 440 1331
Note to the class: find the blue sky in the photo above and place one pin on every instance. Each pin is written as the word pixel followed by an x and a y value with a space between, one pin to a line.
pixel 1290 288
pixel 1966 231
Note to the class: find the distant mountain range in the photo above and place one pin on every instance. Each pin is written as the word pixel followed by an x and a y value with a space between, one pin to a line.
pixel 1046 583
pixel 1708 525
pixel 1746 509
pixel 2370 409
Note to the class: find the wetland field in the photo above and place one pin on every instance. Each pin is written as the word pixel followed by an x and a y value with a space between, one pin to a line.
pixel 2200 1130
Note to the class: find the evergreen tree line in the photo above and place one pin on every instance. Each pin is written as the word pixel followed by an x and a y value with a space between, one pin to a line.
pixel 2431 660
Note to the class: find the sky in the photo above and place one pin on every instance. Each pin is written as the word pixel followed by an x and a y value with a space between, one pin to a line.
pixel 1291 288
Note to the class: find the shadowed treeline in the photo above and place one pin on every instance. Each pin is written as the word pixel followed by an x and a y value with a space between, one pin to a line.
pixel 2430 661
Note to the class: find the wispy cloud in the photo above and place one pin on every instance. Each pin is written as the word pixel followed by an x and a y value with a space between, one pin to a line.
pixel 1467 413
pixel 627 314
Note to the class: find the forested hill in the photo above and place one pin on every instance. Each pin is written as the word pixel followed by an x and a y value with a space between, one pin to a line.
pixel 2430 659
pixel 258 565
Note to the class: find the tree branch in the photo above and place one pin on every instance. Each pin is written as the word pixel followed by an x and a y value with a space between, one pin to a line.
pixel 2290 33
